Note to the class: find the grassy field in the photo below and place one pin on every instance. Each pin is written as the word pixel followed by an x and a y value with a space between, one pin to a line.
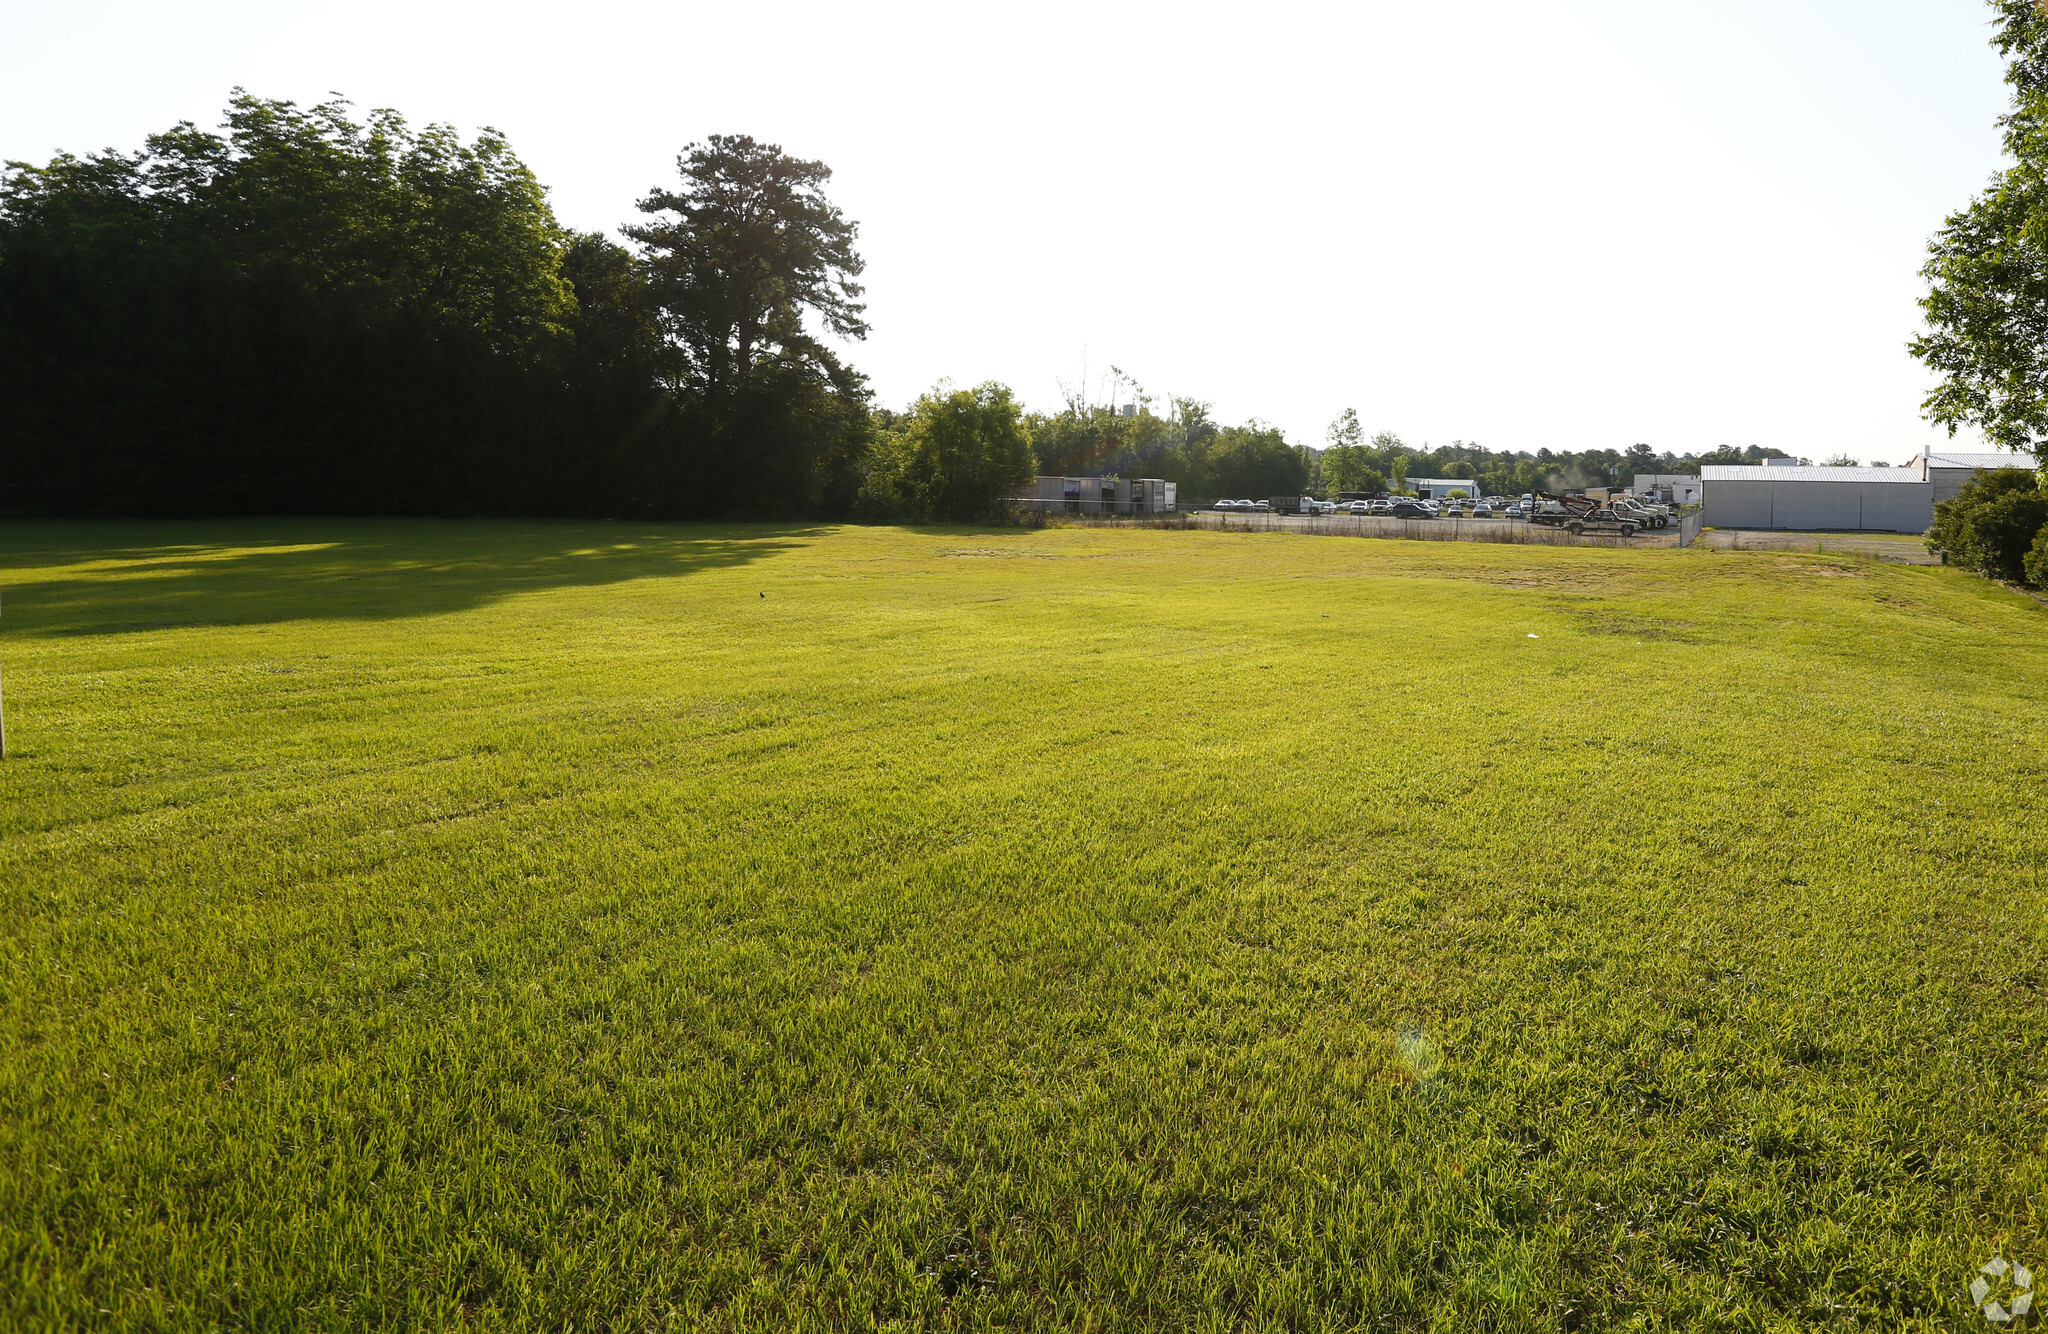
pixel 419 925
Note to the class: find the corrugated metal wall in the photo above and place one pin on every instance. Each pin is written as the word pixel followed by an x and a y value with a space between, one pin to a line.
pixel 1898 507
pixel 1948 481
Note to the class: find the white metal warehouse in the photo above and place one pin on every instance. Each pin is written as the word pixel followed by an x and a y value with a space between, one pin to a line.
pixel 1897 500
pixel 1437 488
pixel 1948 470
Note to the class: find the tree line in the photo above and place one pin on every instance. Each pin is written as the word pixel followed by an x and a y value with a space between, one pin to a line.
pixel 306 312
pixel 1351 462
pixel 1180 441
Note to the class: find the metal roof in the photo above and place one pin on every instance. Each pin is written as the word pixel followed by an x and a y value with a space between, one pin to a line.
pixel 2001 459
pixel 1731 473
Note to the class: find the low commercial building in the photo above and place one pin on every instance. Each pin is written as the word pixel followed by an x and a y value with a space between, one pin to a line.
pixel 1436 488
pixel 1099 495
pixel 1892 500
pixel 1787 493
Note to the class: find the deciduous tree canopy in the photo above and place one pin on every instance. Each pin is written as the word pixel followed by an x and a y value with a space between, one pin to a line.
pixel 1987 303
pixel 952 457
pixel 1993 524
pixel 306 312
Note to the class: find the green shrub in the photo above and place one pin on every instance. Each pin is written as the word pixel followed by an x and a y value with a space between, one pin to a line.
pixel 2037 560
pixel 1997 536
pixel 952 460
pixel 1991 523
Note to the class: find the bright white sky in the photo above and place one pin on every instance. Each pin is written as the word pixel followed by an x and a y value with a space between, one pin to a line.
pixel 1526 223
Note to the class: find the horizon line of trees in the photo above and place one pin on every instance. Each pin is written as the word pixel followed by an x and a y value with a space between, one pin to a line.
pixel 304 312
pixel 1183 444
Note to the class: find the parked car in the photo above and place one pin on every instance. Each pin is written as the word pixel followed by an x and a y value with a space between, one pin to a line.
pixel 1482 511
pixel 1262 506
pixel 1410 509
pixel 1517 512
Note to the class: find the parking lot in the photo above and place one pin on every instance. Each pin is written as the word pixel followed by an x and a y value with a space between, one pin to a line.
pixel 1515 531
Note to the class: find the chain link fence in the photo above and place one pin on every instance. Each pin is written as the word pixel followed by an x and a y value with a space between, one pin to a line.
pixel 1510 532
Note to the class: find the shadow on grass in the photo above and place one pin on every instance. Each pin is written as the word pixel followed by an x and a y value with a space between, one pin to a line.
pixel 171 575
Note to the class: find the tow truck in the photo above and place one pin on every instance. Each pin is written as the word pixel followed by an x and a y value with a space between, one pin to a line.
pixel 1577 515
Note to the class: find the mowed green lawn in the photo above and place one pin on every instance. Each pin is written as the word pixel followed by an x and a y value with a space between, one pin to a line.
pixel 549 926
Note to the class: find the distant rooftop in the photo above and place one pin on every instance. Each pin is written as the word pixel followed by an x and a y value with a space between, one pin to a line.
pixel 1942 458
pixel 1731 473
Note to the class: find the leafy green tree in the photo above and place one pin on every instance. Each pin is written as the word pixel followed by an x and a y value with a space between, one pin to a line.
pixel 741 261
pixel 1344 463
pixel 955 456
pixel 2036 567
pixel 460 233
pixel 299 312
pixel 1992 524
pixel 1345 432
pixel 1997 537
pixel 1253 460
pixel 753 246
pixel 1392 455
pixel 1194 420
pixel 1987 303
pixel 615 316
pixel 1311 470
pixel 1344 468
pixel 1724 456
pixel 1099 441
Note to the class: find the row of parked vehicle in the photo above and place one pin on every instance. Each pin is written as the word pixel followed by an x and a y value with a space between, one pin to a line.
pixel 1622 514
pixel 1396 507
